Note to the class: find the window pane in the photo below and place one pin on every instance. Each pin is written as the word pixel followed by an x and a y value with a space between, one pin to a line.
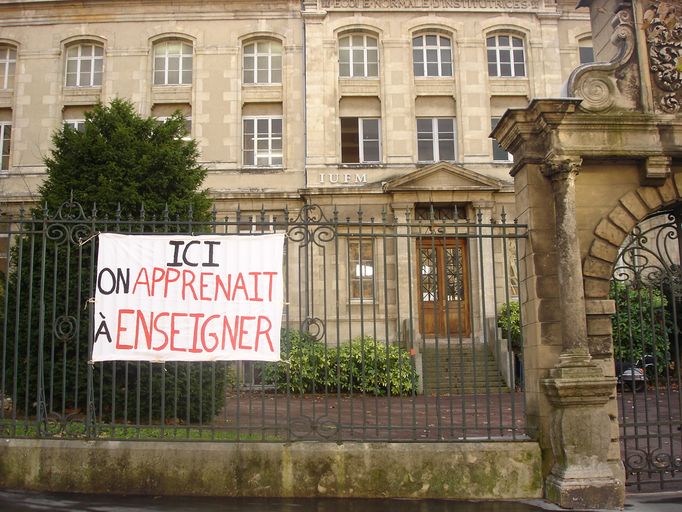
pixel 371 151
pixel 432 69
pixel 373 69
pixel 418 69
pixel 350 148
pixel 277 126
pixel 344 69
pixel 249 48
pixel 446 149
pixel 276 76
pixel 447 69
pixel 371 42
pixel 358 40
pixel 425 150
pixel 262 76
pixel 173 77
pixel 505 70
pixel 418 41
pixel 431 40
pixel 517 42
pixel 518 55
pixel 505 56
pixel 519 70
pixel 358 69
pixel 248 76
pixel 444 41
pixel 424 125
pixel 344 41
pixel 370 128
pixel 503 40
pixel 586 54
pixel 187 76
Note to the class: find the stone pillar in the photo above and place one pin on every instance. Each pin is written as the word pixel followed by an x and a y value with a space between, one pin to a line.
pixel 577 388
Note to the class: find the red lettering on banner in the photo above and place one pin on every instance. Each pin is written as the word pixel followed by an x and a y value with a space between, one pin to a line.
pixel 120 329
pixel 272 278
pixel 142 279
pixel 239 284
pixel 211 335
pixel 169 279
pixel 174 331
pixel 161 331
pixel 265 331
pixel 243 331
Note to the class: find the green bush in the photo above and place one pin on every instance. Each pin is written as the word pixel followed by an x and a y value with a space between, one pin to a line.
pixel 362 365
pixel 509 321
pixel 642 323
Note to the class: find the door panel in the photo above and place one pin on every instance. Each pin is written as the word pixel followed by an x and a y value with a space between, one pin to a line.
pixel 443 283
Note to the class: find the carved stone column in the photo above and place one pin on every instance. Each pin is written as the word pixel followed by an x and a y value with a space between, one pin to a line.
pixel 577 388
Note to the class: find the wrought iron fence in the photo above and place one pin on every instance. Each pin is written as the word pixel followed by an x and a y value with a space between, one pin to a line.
pixel 392 333
pixel 646 287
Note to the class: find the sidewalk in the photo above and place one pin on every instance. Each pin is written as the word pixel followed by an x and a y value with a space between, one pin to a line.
pixel 20 501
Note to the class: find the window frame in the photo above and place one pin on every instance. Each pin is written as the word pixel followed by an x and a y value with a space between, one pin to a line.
pixel 5 143
pixel 358 260
pixel 362 140
pixel 365 49
pixel 8 62
pixel 95 75
pixel 272 153
pixel 256 56
pixel 510 158
pixel 436 139
pixel 439 49
pixel 511 48
pixel 76 124
pixel 166 56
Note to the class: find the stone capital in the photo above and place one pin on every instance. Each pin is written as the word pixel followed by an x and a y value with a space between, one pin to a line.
pixel 560 168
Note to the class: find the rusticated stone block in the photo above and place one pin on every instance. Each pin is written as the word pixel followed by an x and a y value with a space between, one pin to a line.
pixel 604 250
pixel 668 191
pixel 599 325
pixel 622 218
pixel 594 267
pixel 597 288
pixel 634 205
pixel 600 307
pixel 609 231
pixel 650 196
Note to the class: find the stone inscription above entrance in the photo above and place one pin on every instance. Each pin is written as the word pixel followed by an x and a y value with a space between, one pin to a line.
pixel 341 178
pixel 428 5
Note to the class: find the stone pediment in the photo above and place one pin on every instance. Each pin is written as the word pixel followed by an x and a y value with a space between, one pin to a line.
pixel 443 176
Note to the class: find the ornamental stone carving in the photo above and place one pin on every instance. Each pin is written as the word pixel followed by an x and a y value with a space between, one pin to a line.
pixel 663 28
pixel 612 85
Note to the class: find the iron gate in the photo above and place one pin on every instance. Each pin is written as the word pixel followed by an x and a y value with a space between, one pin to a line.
pixel 359 362
pixel 647 327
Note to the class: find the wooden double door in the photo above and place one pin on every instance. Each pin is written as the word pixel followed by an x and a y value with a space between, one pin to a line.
pixel 443 280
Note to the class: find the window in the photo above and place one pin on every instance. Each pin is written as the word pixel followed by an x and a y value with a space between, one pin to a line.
pixel 586 51
pixel 8 62
pixel 358 56
pixel 84 64
pixel 172 63
pixel 506 56
pixel 360 140
pixel 361 268
pixel 262 142
pixel 432 56
pixel 256 222
pixel 5 140
pixel 76 124
pixel 435 139
pixel 263 62
pixel 499 154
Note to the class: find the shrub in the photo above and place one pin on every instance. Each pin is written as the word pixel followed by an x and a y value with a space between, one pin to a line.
pixel 509 321
pixel 641 323
pixel 362 365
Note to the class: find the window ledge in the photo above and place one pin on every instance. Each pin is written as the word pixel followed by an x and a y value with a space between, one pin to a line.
pixel 81 95
pixel 262 170
pixel 368 165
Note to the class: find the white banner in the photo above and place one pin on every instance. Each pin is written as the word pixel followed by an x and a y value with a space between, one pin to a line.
pixel 188 298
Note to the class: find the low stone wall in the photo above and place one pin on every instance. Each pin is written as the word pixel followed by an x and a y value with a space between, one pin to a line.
pixel 497 470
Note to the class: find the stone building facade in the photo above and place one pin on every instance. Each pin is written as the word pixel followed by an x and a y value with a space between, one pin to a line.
pixel 381 105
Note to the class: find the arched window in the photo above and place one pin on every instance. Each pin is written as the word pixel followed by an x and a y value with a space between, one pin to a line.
pixel 84 65
pixel 358 56
pixel 173 63
pixel 432 55
pixel 263 62
pixel 8 62
pixel 506 56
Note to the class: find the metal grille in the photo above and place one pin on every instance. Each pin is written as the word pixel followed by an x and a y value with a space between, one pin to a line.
pixel 647 289
pixel 366 355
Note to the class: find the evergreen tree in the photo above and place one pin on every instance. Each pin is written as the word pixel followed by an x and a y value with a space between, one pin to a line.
pixel 118 167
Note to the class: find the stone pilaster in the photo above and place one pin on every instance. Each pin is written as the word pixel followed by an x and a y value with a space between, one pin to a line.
pixel 577 388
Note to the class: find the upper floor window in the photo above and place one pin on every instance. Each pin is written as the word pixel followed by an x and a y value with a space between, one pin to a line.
pixel 75 124
pixel 506 56
pixel 172 63
pixel 432 55
pixel 84 64
pixel 360 140
pixel 435 139
pixel 263 62
pixel 8 62
pixel 499 153
pixel 5 140
pixel 358 56
pixel 586 51
pixel 262 146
